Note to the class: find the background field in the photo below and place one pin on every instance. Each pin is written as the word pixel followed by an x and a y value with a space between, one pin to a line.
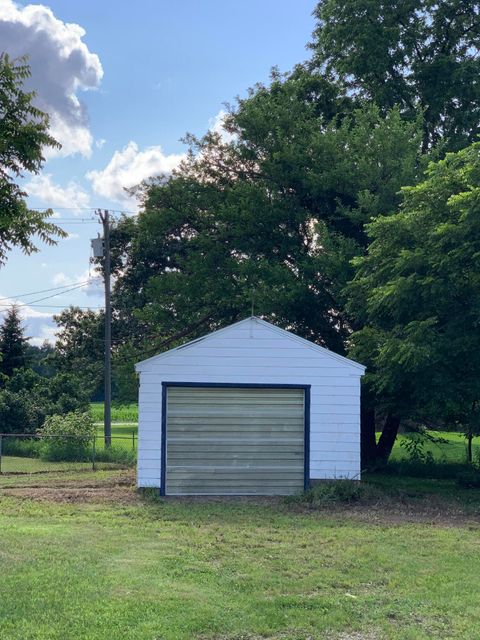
pixel 454 450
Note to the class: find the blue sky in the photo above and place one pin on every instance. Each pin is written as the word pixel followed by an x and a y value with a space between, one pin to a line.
pixel 123 82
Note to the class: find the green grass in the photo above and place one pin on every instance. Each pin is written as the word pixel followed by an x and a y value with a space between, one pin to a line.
pixel 455 450
pixel 17 464
pixel 120 413
pixel 231 570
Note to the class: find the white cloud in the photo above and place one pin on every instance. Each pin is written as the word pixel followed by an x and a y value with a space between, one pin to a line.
pixel 61 65
pixel 53 195
pixel 217 125
pixel 44 332
pixel 100 143
pixel 32 318
pixel 129 167
pixel 92 276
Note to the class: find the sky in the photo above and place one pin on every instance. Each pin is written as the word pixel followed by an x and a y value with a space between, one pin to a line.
pixel 123 82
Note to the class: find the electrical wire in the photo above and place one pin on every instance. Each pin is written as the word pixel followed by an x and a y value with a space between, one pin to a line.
pixel 27 304
pixel 34 293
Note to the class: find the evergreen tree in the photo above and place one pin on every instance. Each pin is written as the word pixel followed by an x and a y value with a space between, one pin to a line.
pixel 13 343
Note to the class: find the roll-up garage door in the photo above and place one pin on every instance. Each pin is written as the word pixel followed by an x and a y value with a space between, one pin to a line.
pixel 238 441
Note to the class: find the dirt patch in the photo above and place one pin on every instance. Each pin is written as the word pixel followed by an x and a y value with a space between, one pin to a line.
pixel 116 487
pixel 119 488
pixel 118 495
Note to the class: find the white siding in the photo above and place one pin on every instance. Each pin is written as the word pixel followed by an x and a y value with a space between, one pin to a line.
pixel 252 352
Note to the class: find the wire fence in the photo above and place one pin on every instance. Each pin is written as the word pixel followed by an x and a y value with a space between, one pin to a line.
pixel 22 453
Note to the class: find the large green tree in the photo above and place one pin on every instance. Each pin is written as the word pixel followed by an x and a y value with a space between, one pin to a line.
pixel 24 135
pixel 418 54
pixel 421 283
pixel 79 346
pixel 13 343
pixel 269 220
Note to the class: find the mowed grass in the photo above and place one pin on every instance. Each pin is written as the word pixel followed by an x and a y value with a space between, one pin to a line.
pixel 453 450
pixel 145 569
pixel 17 464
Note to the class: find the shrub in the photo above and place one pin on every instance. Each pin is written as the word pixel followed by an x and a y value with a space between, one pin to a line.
pixel 28 399
pixel 417 469
pixel 337 491
pixel 22 447
pixel 469 479
pixel 68 437
pixel 118 455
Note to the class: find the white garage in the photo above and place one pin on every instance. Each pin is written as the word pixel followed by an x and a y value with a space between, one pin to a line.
pixel 247 410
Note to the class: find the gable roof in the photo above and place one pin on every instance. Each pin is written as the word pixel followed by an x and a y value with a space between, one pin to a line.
pixel 286 334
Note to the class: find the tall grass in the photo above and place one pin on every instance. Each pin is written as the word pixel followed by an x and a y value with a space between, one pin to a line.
pixel 120 413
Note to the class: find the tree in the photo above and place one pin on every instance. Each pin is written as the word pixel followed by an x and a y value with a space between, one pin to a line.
pixel 23 137
pixel 79 346
pixel 13 343
pixel 272 217
pixel 419 54
pixel 421 282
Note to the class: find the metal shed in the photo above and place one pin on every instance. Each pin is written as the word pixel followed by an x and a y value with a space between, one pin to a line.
pixel 250 409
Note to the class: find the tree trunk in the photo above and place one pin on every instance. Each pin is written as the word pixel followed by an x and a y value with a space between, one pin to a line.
pixel 368 443
pixel 469 448
pixel 387 439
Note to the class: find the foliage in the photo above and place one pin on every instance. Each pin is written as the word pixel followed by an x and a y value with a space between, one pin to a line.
pixel 432 469
pixel 120 412
pixel 21 447
pixel 68 437
pixel 24 136
pixel 469 479
pixel 272 218
pixel 120 452
pixel 335 491
pixel 419 54
pixel 28 399
pixel 13 343
pixel 420 281
pixel 79 346
pixel 40 359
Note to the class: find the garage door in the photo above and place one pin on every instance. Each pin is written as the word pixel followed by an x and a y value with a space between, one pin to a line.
pixel 236 441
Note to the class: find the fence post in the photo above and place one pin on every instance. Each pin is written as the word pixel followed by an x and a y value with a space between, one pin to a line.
pixel 1 437
pixel 93 453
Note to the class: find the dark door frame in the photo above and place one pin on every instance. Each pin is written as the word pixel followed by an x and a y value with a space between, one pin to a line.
pixel 237 385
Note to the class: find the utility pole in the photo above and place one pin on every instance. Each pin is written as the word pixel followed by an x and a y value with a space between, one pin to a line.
pixel 107 416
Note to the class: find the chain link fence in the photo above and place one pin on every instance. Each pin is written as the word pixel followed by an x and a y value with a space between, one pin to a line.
pixel 28 454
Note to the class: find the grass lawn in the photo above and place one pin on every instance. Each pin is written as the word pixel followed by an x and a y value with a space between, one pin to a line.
pixel 92 560
pixel 17 464
pixel 455 450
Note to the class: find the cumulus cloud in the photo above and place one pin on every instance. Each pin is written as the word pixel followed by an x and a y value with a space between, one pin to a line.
pixel 217 125
pixel 129 167
pixel 32 319
pixel 92 277
pixel 53 195
pixel 43 332
pixel 61 65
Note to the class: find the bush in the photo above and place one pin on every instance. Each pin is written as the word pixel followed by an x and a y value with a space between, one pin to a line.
pixel 336 491
pixel 21 447
pixel 68 437
pixel 118 455
pixel 469 479
pixel 28 399
pixel 417 469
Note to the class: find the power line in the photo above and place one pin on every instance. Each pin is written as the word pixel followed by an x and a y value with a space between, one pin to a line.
pixel 34 293
pixel 27 304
